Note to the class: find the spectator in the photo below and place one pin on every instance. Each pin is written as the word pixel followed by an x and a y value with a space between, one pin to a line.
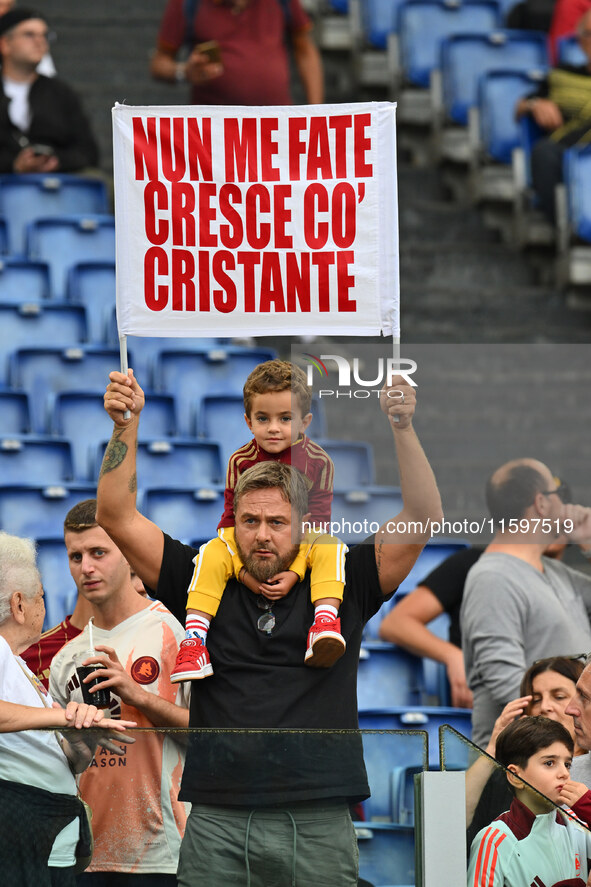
pixel 43 826
pixel 518 604
pixel 137 820
pixel 562 108
pixel 567 14
pixel 43 127
pixel 257 791
pixel 46 65
pixel 546 689
pixel 440 592
pixel 579 708
pixel 250 61
pixel 533 844
pixel 39 655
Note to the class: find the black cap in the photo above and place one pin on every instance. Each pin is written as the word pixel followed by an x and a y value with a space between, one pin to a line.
pixel 15 16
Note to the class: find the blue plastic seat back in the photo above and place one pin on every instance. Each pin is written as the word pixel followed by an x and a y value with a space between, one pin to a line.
pixel 465 57
pixel 577 168
pixel 45 371
pixel 60 591
pixel 384 754
pixel 340 6
pixel 23 281
pixel 31 324
pixel 37 460
pixel 146 349
pixel 185 514
pixel 427 718
pixel 173 463
pixel 379 18
pixel 498 94
pixel 388 676
pixel 64 242
pixel 353 463
pixel 221 418
pixel 386 853
pixel 15 412
pixel 80 416
pixel 570 52
pixel 423 24
pixel 24 198
pixel 93 285
pixel 190 374
pixel 39 510
pixel 358 512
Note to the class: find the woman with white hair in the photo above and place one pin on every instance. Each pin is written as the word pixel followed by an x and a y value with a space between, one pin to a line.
pixel 43 825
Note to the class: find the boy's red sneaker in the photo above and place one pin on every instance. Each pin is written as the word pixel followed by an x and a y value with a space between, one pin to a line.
pixel 326 644
pixel 192 662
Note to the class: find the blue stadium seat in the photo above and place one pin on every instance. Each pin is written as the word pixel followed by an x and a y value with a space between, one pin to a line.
pixel 31 324
pixel 36 510
pixel 386 853
pixel 93 284
pixel 427 718
pixel 361 511
pixel 423 24
pixel 341 6
pixel 221 418
pixel 577 178
pixel 45 371
pixel 35 460
pixel 465 57
pixel 388 676
pixel 385 755
pixel 80 416
pixel 498 94
pixel 353 463
pixel 146 349
pixel 22 281
pixel 24 198
pixel 378 18
pixel 173 463
pixel 570 52
pixel 190 374
pixel 64 242
pixel 60 591
pixel 15 412
pixel 185 514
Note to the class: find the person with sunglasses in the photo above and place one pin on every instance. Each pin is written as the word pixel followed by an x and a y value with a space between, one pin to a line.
pixel 518 604
pixel 271 784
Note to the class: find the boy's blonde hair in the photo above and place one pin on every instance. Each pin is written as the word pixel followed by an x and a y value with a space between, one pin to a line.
pixel 278 375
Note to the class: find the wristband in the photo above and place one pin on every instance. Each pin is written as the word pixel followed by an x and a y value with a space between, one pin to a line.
pixel 180 72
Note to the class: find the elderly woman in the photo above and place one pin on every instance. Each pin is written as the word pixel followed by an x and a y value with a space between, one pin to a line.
pixel 42 746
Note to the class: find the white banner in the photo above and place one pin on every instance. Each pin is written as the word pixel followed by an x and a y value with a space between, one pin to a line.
pixel 256 221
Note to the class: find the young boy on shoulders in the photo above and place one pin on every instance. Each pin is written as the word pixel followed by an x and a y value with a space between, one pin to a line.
pixel 277 402
pixel 534 843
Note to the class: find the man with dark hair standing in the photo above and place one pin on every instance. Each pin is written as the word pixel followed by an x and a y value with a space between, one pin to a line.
pixel 520 605
pixel 137 820
pixel 239 51
pixel 271 784
pixel 43 127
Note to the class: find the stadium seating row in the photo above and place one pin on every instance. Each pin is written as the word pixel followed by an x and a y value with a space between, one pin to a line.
pixel 456 73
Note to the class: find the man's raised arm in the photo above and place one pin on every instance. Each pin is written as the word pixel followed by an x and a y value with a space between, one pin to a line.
pixel 141 541
pixel 399 542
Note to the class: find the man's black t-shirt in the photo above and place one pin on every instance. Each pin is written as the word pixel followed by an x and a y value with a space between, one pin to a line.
pixel 447 581
pixel 260 682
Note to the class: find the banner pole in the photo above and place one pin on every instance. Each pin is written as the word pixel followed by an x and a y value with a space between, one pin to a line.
pixel 124 367
pixel 396 356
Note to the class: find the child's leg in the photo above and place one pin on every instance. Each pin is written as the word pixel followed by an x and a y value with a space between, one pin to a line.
pixel 325 641
pixel 192 661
